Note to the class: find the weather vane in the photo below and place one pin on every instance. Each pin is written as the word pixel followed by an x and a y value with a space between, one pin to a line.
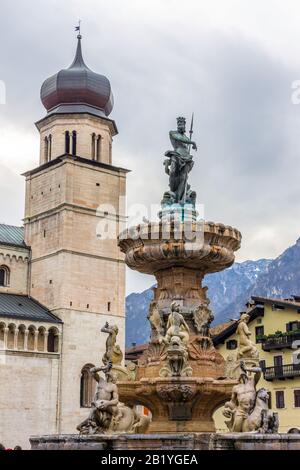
pixel 77 28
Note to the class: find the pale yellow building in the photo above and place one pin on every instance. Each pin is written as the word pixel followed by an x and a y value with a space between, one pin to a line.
pixel 275 327
pixel 60 278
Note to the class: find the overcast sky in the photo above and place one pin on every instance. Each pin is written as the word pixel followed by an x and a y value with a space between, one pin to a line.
pixel 230 62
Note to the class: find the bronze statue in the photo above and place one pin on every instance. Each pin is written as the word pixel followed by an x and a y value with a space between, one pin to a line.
pixel 178 165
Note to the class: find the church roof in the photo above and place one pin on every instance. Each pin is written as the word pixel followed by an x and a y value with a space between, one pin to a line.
pixel 26 308
pixel 12 235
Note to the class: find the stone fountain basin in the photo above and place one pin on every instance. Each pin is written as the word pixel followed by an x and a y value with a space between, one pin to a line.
pixel 205 246
pixel 178 404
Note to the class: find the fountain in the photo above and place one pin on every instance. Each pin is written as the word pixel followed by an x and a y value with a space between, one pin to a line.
pixel 180 377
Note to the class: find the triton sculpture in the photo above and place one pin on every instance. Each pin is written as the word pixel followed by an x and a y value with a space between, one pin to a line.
pixel 108 415
pixel 248 409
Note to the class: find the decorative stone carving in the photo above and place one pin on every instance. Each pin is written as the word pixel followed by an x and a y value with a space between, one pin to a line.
pixel 154 318
pixel 176 392
pixel 113 351
pixel 247 411
pixel 153 354
pixel 131 369
pixel 202 317
pixel 177 337
pixel 108 415
pixel 176 326
pixel 202 348
pixel 177 357
pixel 246 349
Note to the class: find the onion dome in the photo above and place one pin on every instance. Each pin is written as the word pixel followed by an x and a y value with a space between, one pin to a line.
pixel 77 90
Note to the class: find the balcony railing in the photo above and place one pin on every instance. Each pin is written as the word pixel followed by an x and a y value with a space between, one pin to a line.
pixel 280 342
pixel 287 371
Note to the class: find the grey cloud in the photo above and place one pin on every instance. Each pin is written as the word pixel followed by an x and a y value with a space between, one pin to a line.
pixel 247 166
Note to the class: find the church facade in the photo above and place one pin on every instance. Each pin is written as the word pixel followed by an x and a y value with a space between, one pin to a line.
pixel 60 280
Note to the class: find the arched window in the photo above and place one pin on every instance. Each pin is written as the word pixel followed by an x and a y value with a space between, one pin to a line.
pixel 31 335
pixel 93 150
pixel 74 142
pixel 11 336
pixel 67 142
pixel 110 152
pixel 87 386
pixel 21 337
pixel 49 147
pixel 2 335
pixel 46 148
pixel 41 338
pixel 99 141
pixel 4 276
pixel 53 339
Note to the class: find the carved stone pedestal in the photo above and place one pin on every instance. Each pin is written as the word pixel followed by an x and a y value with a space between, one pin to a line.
pixel 167 441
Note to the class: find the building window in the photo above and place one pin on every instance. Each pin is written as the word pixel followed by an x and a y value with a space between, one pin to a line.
pixel 110 153
pixel 108 306
pixel 74 143
pixel 277 361
pixel 46 148
pixel 279 399
pixel 259 333
pixel 4 276
pixel 52 345
pixel 292 326
pixel 93 151
pixel 87 386
pixel 49 147
pixel 67 142
pixel 231 344
pixel 297 398
pixel 98 149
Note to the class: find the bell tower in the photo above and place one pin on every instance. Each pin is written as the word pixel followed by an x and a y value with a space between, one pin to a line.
pixel 77 274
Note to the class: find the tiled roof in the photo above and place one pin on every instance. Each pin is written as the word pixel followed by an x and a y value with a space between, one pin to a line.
pixel 12 235
pixel 24 307
pixel 218 329
pixel 294 302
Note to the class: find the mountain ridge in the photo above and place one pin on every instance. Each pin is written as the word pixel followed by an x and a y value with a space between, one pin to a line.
pixel 228 290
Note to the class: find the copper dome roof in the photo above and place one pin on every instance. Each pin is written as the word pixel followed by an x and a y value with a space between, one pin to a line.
pixel 77 89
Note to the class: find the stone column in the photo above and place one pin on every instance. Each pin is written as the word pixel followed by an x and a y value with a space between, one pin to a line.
pixel 36 336
pixel 6 330
pixel 16 334
pixel 26 333
pixel 58 336
pixel 46 334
